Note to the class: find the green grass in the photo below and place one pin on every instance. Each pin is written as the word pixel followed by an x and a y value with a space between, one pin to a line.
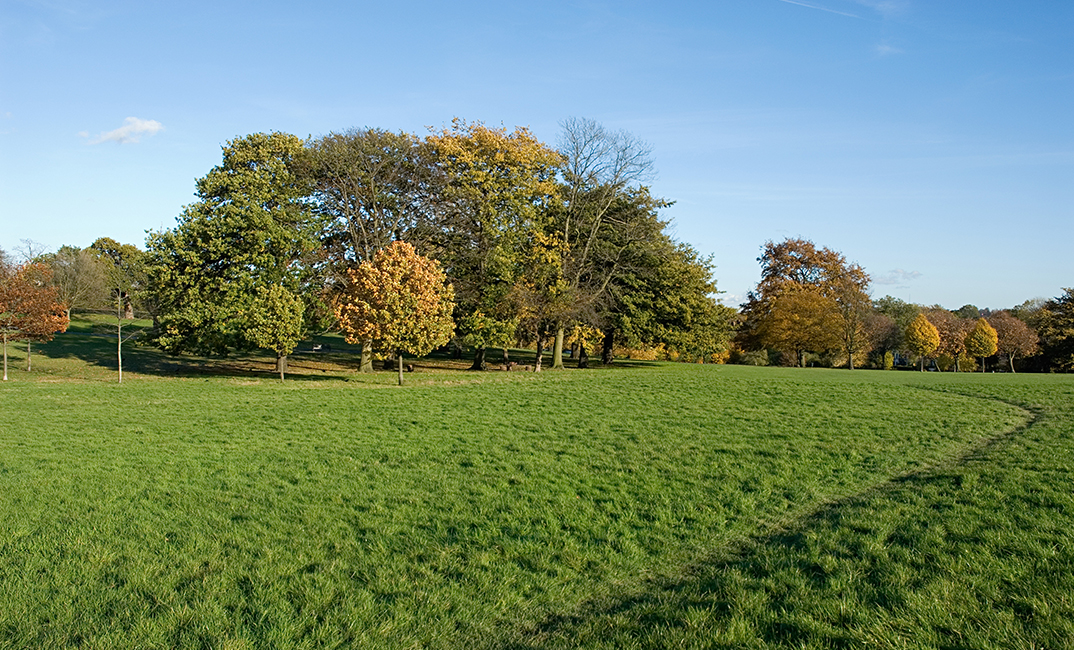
pixel 653 506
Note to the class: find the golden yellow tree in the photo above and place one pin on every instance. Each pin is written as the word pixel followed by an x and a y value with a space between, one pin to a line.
pixel 982 341
pixel 400 300
pixel 801 320
pixel 922 338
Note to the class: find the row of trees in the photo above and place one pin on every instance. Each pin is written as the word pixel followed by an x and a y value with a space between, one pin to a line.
pixel 811 302
pixel 289 237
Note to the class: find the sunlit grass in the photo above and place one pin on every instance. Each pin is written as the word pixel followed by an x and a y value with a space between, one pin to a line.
pixel 658 506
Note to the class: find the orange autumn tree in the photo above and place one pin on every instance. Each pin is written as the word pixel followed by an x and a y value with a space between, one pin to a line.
pixel 399 299
pixel 29 307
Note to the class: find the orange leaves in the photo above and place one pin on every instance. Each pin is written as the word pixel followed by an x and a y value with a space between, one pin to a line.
pixel 29 307
pixel 398 299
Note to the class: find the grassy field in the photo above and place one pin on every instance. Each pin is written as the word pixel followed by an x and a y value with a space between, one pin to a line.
pixel 206 505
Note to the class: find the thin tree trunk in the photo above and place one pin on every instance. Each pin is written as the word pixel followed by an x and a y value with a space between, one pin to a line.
pixel 851 360
pixel 400 367
pixel 281 364
pixel 27 355
pixel 607 347
pixel 5 356
pixel 557 350
pixel 583 356
pixel 119 348
pixel 479 359
pixel 367 356
pixel 506 355
pixel 922 363
pixel 1010 357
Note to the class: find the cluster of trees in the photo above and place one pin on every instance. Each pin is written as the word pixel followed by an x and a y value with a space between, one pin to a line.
pixel 532 244
pixel 812 304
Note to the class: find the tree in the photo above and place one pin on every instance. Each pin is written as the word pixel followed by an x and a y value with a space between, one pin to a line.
pixel 274 322
pixel 371 187
pixel 830 283
pixel 78 277
pixel 802 319
pixel 29 308
pixel 922 338
pixel 606 212
pixel 902 313
pixel 399 300
pixel 251 227
pixel 953 331
pixel 1015 337
pixel 497 188
pixel 982 341
pixel 1057 330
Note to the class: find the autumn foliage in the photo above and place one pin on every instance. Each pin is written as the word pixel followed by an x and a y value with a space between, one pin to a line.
pixel 399 299
pixel 29 307
pixel 922 337
pixel 982 341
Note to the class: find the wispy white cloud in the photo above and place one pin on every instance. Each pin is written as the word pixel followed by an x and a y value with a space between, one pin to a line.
pixel 820 8
pixel 883 49
pixel 132 131
pixel 897 276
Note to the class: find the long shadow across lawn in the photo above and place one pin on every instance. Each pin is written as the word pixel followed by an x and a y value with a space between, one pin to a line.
pixel 927 559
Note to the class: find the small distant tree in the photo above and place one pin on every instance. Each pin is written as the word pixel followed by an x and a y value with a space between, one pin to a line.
pixel 399 299
pixel 1015 337
pixel 274 322
pixel 982 341
pixel 29 308
pixel 922 338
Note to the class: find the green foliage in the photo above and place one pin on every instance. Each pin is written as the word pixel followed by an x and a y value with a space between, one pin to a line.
pixel 250 228
pixel 1057 330
pixel 274 320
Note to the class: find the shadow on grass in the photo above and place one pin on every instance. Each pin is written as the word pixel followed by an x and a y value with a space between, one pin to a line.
pixel 325 357
pixel 791 586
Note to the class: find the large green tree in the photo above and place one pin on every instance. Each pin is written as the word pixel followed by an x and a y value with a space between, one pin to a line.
pixel 1057 330
pixel 606 215
pixel 251 227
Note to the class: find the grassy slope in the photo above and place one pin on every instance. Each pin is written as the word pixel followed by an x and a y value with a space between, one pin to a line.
pixel 656 506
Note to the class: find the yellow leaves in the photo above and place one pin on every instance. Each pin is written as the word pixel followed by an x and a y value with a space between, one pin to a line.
pixel 922 336
pixel 399 299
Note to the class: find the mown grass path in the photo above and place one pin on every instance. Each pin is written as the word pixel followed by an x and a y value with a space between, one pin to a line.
pixel 662 506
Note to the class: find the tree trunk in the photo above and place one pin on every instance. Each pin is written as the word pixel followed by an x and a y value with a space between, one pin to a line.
pixel 583 356
pixel 1010 357
pixel 607 347
pixel 540 352
pixel 400 367
pixel 851 360
pixel 922 364
pixel 367 356
pixel 506 355
pixel 5 356
pixel 479 359
pixel 119 348
pixel 27 355
pixel 982 364
pixel 281 364
pixel 557 350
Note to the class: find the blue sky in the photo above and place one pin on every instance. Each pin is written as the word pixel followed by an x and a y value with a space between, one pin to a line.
pixel 931 142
